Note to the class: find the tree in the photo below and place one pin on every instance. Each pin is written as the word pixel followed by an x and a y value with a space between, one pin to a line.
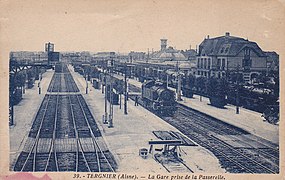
pixel 217 89
pixel 201 86
pixel 188 85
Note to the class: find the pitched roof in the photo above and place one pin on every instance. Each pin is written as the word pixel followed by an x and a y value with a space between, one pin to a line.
pixel 227 46
pixel 168 54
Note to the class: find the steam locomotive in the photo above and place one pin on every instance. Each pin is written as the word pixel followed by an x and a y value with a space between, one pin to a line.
pixel 158 98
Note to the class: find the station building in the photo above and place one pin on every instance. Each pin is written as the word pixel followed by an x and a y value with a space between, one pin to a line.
pixel 219 55
pixel 167 54
pixel 29 56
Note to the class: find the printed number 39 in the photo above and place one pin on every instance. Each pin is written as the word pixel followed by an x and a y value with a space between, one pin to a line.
pixel 76 176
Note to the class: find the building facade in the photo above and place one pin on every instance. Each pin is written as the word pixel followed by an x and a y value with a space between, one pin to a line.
pixel 220 55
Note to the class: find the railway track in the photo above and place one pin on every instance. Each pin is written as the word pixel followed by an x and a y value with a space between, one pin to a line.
pixel 62 82
pixel 260 157
pixel 260 148
pixel 172 163
pixel 234 160
pixel 64 135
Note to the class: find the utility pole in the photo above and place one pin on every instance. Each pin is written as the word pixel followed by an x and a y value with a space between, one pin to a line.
pixel 125 99
pixel 105 117
pixel 120 101
pixel 178 91
pixel 147 55
pixel 86 83
pixel 39 84
pixel 237 91
pixel 111 97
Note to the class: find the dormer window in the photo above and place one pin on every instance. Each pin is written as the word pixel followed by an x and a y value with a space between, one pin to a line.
pixel 247 52
pixel 222 50
pixel 226 50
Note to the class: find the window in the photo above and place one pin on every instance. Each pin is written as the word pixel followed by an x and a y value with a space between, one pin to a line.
pixel 222 50
pixel 219 64
pixel 201 63
pixel 227 49
pixel 246 51
pixel 198 62
pixel 205 63
pixel 246 63
pixel 223 64
pixel 209 63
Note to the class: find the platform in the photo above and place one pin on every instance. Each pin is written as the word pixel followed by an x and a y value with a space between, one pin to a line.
pixel 24 113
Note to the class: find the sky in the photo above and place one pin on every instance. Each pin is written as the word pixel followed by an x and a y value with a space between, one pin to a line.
pixel 127 25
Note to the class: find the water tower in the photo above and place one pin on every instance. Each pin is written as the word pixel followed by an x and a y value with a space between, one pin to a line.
pixel 163 44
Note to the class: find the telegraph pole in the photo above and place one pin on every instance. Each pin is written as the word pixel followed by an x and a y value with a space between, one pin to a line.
pixel 237 91
pixel 105 117
pixel 125 99
pixel 86 84
pixel 178 83
pixel 111 98
pixel 39 84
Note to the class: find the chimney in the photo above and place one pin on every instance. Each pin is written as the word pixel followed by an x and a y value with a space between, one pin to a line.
pixel 208 37
pixel 227 34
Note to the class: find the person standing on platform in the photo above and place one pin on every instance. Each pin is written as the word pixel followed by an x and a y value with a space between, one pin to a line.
pixel 136 101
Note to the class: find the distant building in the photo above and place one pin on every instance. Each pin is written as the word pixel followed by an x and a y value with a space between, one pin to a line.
pixel 136 56
pixel 218 55
pixel 28 56
pixel 104 55
pixel 69 56
pixel 190 54
pixel 272 61
pixel 122 57
pixel 167 54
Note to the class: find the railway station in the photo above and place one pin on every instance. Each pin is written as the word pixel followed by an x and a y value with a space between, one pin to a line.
pixel 160 115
